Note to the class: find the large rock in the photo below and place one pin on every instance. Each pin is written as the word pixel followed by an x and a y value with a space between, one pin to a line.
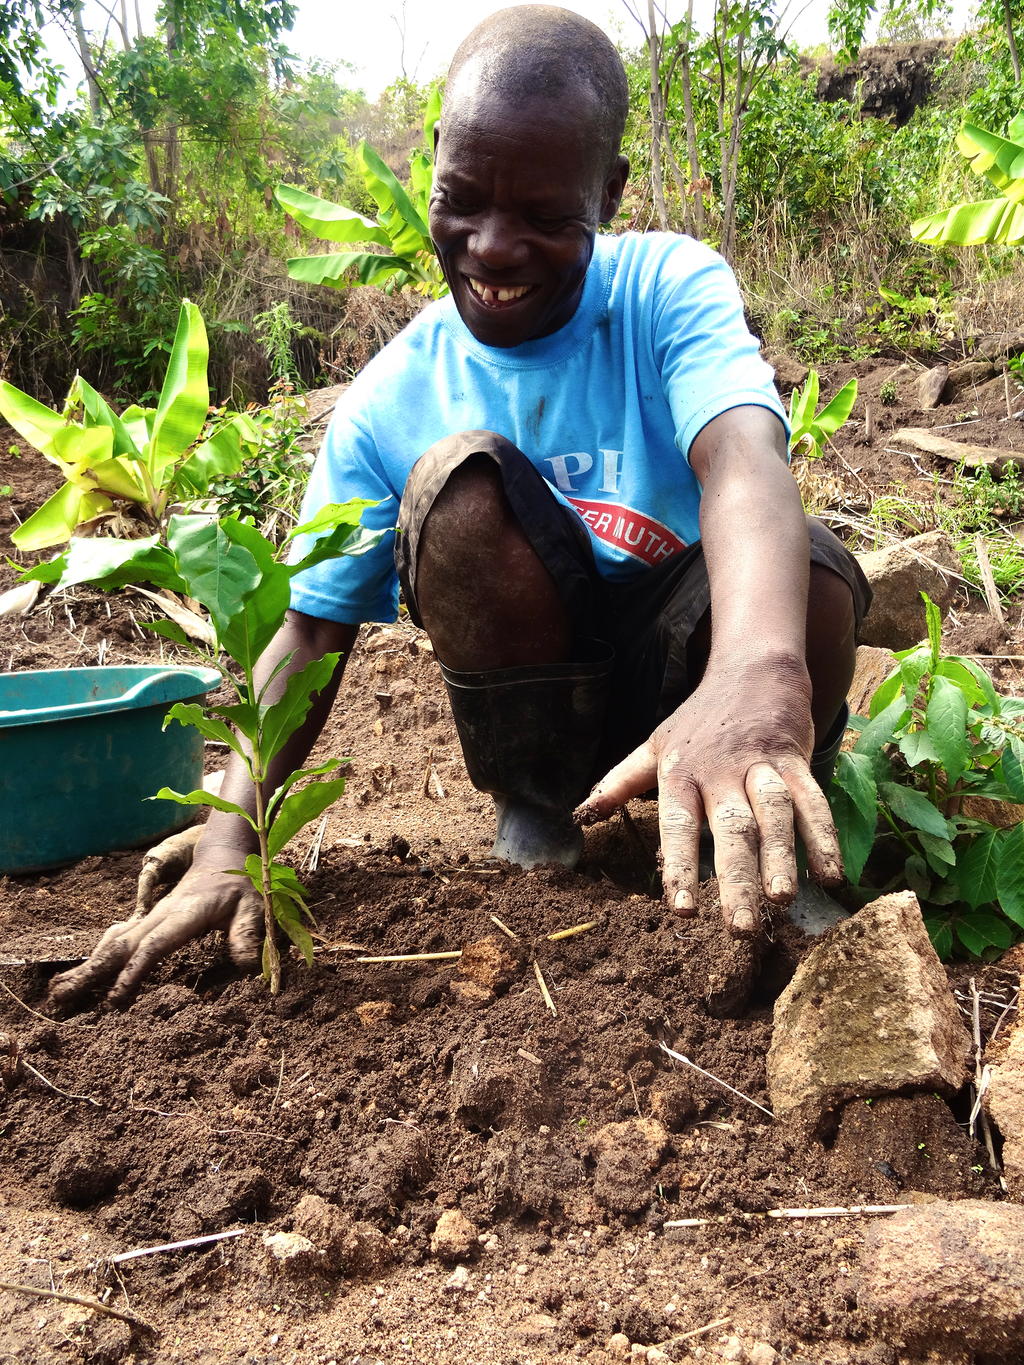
pixel 966 379
pixel 948 1277
pixel 790 373
pixel 930 387
pixel 1004 1103
pixel 1000 345
pixel 872 668
pixel 869 1012
pixel 956 452
pixel 898 575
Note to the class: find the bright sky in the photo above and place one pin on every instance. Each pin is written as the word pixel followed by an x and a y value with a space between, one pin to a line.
pixel 368 37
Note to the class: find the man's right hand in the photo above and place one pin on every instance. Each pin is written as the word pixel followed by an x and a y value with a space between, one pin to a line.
pixel 207 897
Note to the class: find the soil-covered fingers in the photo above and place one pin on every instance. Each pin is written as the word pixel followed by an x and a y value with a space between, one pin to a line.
pixel 817 829
pixel 679 815
pixel 167 862
pixel 104 963
pixel 735 832
pixel 248 929
pixel 635 775
pixel 772 806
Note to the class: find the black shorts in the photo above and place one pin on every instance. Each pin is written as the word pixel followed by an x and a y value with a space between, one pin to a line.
pixel 647 620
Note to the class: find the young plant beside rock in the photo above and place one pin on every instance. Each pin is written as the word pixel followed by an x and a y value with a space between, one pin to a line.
pixel 939 746
pixel 237 576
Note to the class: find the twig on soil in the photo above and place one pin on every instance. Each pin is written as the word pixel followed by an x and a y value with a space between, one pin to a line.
pixel 66 1094
pixel 505 929
pixel 576 929
pixel 701 1331
pixel 174 1246
pixel 999 1022
pixel 61 1023
pixel 412 957
pixel 530 1057
pixel 544 989
pixel 717 1079
pixel 979 1075
pixel 432 773
pixel 854 1211
pixel 280 1082
pixel 311 859
pixel 985 568
pixel 94 1304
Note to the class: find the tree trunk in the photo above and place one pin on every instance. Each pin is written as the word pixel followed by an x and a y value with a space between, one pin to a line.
pixel 657 117
pixel 86 56
pixel 697 206
pixel 1014 57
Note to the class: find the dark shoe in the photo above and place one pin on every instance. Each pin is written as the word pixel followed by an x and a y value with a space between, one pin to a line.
pixel 529 737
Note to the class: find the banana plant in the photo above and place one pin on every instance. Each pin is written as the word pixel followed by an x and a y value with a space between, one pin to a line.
pixel 147 458
pixel 400 226
pixel 1001 161
pixel 809 430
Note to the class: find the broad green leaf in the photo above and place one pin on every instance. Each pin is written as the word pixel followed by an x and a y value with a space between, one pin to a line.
pixel 915 869
pixel 939 852
pixel 242 715
pixel 329 222
pixel 217 456
pixel 433 113
pixel 82 447
pixel 856 832
pixel 854 774
pixel 185 396
pixel 52 523
pixel 881 727
pixel 980 931
pixel 138 422
pixel 887 693
pixel 934 629
pixel 114 563
pixel 192 714
pixel 216 571
pixel 1013 771
pixel 338 543
pixel 48 572
pixel 116 477
pixel 332 269
pixel 331 516
pixel 293 927
pixel 916 747
pixel 947 727
pixel 954 669
pixel 1010 877
pixel 262 612
pixel 292 778
pixel 281 877
pixel 977 870
pixel 835 413
pixel 281 719
pixel 941 935
pixel 101 414
pixel 298 808
pixel 202 798
pixel 30 419
pixel 387 179
pixel 170 631
pixel 973 224
pixel 913 808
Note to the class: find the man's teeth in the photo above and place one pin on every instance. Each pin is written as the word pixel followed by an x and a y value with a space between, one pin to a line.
pixel 498 295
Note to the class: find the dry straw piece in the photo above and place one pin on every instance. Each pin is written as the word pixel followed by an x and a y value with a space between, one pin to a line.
pixel 413 957
pixel 544 989
pixel 576 929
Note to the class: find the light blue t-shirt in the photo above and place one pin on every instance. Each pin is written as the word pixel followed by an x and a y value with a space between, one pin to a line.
pixel 605 408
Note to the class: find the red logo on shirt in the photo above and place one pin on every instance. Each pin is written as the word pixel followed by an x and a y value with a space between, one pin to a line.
pixel 639 535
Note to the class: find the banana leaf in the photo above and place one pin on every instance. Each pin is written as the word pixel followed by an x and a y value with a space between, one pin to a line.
pixel 329 222
pixel 331 270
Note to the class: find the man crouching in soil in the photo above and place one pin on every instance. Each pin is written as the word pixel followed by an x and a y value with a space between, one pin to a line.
pixel 598 528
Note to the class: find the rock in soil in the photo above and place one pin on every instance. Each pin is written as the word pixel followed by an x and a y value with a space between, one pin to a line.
pixel 869 1012
pixel 898 575
pixel 1004 1104
pixel 872 668
pixel 627 1156
pixel 454 1237
pixel 930 386
pixel 947 1277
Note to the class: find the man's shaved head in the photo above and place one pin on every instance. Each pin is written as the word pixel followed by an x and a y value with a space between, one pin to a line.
pixel 532 52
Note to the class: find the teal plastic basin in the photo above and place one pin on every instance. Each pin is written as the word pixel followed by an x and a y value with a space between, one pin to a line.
pixel 81 749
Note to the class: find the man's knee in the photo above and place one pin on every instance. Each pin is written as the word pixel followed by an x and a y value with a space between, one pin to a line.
pixel 831 615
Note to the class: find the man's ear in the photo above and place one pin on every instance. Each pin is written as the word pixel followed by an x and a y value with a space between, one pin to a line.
pixel 614 188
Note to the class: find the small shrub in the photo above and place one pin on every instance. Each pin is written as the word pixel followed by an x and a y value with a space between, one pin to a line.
pixel 889 393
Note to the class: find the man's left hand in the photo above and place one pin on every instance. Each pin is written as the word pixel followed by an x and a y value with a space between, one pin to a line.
pixel 737 751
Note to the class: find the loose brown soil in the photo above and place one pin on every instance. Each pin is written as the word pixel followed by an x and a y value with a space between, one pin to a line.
pixel 399 1092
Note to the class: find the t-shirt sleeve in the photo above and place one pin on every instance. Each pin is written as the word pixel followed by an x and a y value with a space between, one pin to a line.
pixel 355 588
pixel 708 360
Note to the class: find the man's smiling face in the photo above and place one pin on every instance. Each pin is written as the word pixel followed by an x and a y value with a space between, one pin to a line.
pixel 518 194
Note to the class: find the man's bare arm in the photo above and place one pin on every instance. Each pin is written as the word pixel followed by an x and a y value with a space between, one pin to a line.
pixel 739 747
pixel 208 897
